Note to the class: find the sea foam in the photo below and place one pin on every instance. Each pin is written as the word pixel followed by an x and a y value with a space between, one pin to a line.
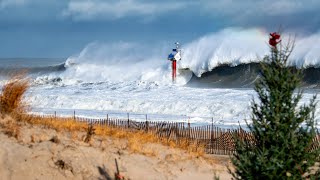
pixel 125 61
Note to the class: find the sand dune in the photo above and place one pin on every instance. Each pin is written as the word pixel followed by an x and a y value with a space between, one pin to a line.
pixel 34 152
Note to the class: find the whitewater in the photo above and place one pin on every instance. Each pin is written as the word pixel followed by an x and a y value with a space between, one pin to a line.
pixel 118 78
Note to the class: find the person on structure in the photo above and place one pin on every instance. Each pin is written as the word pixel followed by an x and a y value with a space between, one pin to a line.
pixel 274 39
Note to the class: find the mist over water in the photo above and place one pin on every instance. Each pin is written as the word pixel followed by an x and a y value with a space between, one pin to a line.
pixel 121 62
pixel 125 61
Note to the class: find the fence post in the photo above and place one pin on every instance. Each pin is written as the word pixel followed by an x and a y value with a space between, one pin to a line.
pixel 177 133
pixel 146 117
pixel 212 146
pixel 147 126
pixel 128 123
pixel 183 130
pixel 55 114
pixel 107 121
pixel 128 116
pixel 189 129
pixel 74 115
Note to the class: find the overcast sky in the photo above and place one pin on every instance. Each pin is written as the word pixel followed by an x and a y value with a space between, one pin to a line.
pixel 60 28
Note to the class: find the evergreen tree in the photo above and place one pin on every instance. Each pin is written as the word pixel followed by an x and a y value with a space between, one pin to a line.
pixel 283 131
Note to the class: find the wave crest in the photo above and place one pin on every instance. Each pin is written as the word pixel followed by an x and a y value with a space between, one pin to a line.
pixel 242 46
pixel 121 62
pixel 136 62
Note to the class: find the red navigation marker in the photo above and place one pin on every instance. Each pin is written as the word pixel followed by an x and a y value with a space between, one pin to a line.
pixel 174 57
pixel 174 70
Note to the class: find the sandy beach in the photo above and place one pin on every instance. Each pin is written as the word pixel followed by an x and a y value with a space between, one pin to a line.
pixel 34 152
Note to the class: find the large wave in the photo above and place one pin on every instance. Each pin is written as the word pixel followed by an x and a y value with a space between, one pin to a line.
pixel 124 61
pixel 245 75
pixel 120 62
pixel 126 77
pixel 230 46
pixel 243 46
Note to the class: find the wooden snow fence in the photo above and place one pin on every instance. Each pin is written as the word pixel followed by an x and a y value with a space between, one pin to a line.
pixel 215 140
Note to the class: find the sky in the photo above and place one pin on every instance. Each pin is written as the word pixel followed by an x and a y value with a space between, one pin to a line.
pixel 61 28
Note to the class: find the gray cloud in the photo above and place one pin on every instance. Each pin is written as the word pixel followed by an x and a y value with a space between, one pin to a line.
pixel 252 7
pixel 290 13
pixel 61 27
pixel 265 13
pixel 98 9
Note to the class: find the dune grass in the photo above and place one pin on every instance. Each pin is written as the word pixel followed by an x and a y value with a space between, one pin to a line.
pixel 11 98
pixel 10 126
pixel 136 139
pixel 12 104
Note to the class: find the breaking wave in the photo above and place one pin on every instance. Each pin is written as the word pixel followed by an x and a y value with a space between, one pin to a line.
pixel 245 75
pixel 235 47
pixel 222 59
pixel 243 46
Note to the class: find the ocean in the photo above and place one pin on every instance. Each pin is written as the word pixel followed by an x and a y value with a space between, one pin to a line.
pixel 214 81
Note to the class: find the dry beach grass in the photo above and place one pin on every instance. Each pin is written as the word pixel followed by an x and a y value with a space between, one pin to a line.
pixel 39 152
pixel 35 147
pixel 11 98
